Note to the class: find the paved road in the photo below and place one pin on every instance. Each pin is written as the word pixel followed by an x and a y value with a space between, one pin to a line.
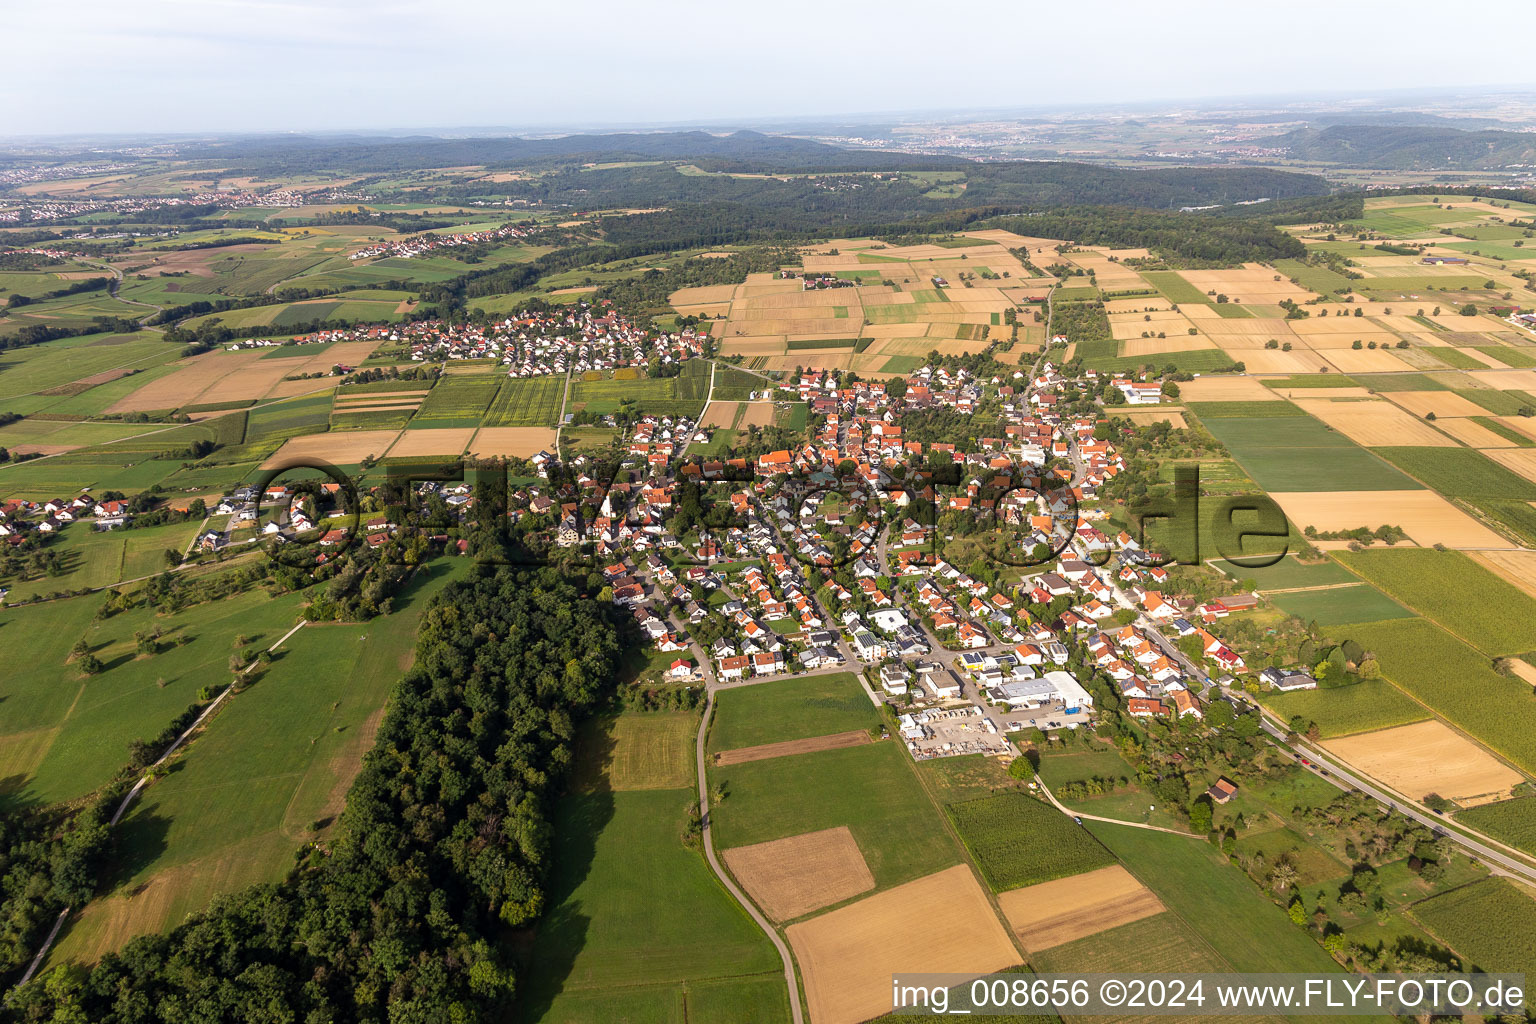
pixel 711 684
pixel 1325 766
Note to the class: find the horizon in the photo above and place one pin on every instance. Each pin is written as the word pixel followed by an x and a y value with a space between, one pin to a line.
pixel 232 74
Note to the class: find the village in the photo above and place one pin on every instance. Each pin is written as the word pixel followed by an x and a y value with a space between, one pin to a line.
pixel 829 556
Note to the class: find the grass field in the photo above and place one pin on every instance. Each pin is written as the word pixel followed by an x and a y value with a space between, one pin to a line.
pixel 870 789
pixel 1494 616
pixel 94 719
pixel 1340 605
pixel 790 709
pixel 302 728
pixel 527 402
pixel 1298 453
pixel 1512 822
pixel 1018 840
pixel 1455 681
pixel 1216 900
pixel 1491 923
pixel 1289 573
pixel 1344 710
pixel 636 926
pixel 1460 473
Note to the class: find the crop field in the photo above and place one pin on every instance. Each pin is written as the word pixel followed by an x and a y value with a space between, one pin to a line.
pixel 1337 606
pixel 790 709
pixel 1486 611
pixel 1512 822
pixel 1216 899
pixel 1145 946
pixel 682 395
pixel 521 442
pixel 1018 840
pixel 1425 516
pixel 1460 473
pixel 1491 923
pixel 940 923
pixel 791 877
pixel 1296 453
pixel 1426 758
pixel 457 402
pixel 281 420
pixel 1455 681
pixel 1052 913
pixel 1344 710
pixel 868 788
pixel 1174 287
pixel 526 402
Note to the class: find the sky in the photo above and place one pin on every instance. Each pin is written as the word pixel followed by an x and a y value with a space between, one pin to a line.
pixel 73 66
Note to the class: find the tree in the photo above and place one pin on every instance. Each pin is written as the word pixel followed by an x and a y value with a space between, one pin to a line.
pixel 172 558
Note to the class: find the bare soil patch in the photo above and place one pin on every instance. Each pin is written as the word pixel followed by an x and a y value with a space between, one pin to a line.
pixel 762 752
pixel 791 877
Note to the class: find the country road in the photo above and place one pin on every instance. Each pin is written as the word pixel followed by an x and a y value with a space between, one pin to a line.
pixel 1326 766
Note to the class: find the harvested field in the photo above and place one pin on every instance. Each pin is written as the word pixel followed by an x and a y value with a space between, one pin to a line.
pixel 1373 422
pixel 1426 516
pixel 1428 757
pixel 1365 360
pixel 1520 460
pixel 1518 567
pixel 720 414
pixel 1162 346
pixel 762 752
pixel 1441 403
pixel 1068 909
pixel 183 386
pixel 518 441
pixel 433 441
pixel 1146 417
pixel 791 877
pixel 343 449
pixel 1226 389
pixel 940 923
pixel 1263 360
pixel 757 414
pixel 1473 435
pixel 1253 283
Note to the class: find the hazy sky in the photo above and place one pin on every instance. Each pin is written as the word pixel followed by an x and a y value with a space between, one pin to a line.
pixel 205 65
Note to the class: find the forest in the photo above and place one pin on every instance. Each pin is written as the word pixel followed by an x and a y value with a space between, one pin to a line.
pixel 444 847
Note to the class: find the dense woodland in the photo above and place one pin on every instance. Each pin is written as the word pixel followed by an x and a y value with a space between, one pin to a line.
pixel 444 843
